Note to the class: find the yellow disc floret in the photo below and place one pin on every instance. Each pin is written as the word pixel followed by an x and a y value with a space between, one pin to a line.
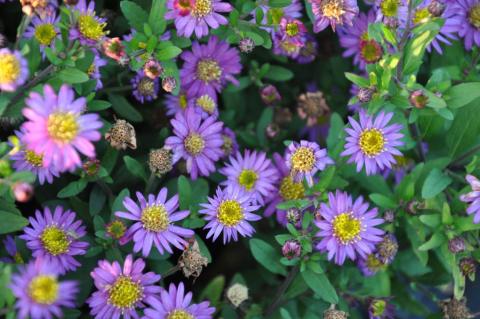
pixel 247 178
pixel 33 158
pixel 62 127
pixel 208 70
pixel 230 213
pixel 45 33
pixel 207 103
pixel 389 8
pixel 194 143
pixel 372 142
pixel 474 16
pixel 290 190
pixel 124 293
pixel 346 228
pixel 303 159
pixel 333 9
pixel 155 218
pixel 292 29
pixel 90 28
pixel 55 240
pixel 9 68
pixel 179 314
pixel 43 289
pixel 421 16
pixel 202 8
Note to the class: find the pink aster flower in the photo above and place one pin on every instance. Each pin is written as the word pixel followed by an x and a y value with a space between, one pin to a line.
pixel 333 13
pixel 57 128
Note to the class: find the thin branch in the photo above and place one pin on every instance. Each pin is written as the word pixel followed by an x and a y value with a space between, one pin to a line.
pixel 456 162
pixel 278 297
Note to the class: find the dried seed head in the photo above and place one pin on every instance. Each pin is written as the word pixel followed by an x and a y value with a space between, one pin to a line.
pixel 456 245
pixel 160 161
pixel 192 261
pixel 455 309
pixel 293 216
pixel 236 294
pixel 121 135
pixel 246 45
pixel 335 314
pixel 312 107
pixel 387 249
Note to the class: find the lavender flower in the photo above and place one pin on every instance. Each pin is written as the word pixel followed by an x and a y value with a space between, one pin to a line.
pixel 144 88
pixel 88 28
pixel 197 141
pixel 176 103
pixel 473 198
pixel 370 265
pixel 197 15
pixel 333 12
pixel 291 249
pixel 11 248
pixel 347 228
pixel 39 293
pixel 154 223
pixel 230 212
pixel 45 30
pixel 230 145
pixel 56 238
pixel 13 70
pixel 253 172
pixel 371 142
pixel 174 303
pixel 293 30
pixel 94 70
pixel 121 292
pixel 293 10
pixel 463 17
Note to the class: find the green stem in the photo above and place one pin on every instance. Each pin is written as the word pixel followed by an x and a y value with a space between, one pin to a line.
pixel 280 292
pixel 171 271
pixel 21 29
pixel 465 156
pixel 150 183
pixel 117 89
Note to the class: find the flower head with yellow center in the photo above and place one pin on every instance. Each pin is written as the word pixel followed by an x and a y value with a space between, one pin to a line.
pixel 34 159
pixel 202 8
pixel 179 314
pixel 62 127
pixel 44 289
pixel 194 144
pixel 333 9
pixel 372 142
pixel 155 218
pixel 10 68
pixel 291 190
pixel 45 33
pixel 125 292
pixel 474 15
pixel 91 28
pixel 207 104
pixel 389 8
pixel 303 159
pixel 346 228
pixel 55 240
pixel 247 179
pixel 208 70
pixel 230 213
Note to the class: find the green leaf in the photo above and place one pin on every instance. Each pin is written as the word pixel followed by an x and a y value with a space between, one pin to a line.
pixel 383 201
pixel 98 105
pixel 463 224
pixel 462 94
pixel 278 73
pixel 279 3
pixel 267 256
pixel 213 291
pixel 415 48
pixel 320 284
pixel 96 201
pixel 72 76
pixel 435 183
pixel 72 189
pixel 135 167
pixel 168 53
pixel 285 314
pixel 156 18
pixel 435 241
pixel 124 108
pixel 265 119
pixel 11 222
pixel 358 80
pixel 464 130
pixel 135 15
pixel 431 220
pixel 117 204
pixel 184 192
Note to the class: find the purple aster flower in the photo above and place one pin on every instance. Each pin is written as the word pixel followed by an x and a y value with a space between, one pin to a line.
pixel 153 223
pixel 197 141
pixel 463 17
pixel 121 292
pixel 13 70
pixel 309 51
pixel 144 88
pixel 12 251
pixel 253 172
pixel 39 293
pixel 473 198
pixel 57 128
pixel 372 142
pixel 354 38
pixel 287 189
pixel 230 212
pixel 208 67
pixel 45 30
pixel 393 13
pixel 94 70
pixel 333 12
pixel 370 265
pixel 305 159
pixel 347 228
pixel 291 249
pixel 176 304
pixel 293 10
pixel 380 308
pixel 197 15
pixel 56 238
pixel 28 160
pixel 293 30
pixel 205 105
pixel 88 28
pixel 176 103
pixel 283 46
pixel 399 170
pixel 230 145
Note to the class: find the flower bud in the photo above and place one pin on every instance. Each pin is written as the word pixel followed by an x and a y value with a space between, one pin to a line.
pixel 113 48
pixel 91 166
pixel 455 309
pixel 468 266
pixel 414 206
pixel 436 8
pixel 272 130
pixel 293 216
pixel 236 294
pixel 418 99
pixel 389 216
pixel 365 94
pixel 334 314
pixel 152 69
pixel 270 95
pixel 246 45
pixel 191 262
pixel 160 161
pixel 23 192
pixel 391 22
pixel 380 308
pixel 169 84
pixel 121 135
pixel 456 245
pixel 291 249
pixel 116 229
pixel 387 248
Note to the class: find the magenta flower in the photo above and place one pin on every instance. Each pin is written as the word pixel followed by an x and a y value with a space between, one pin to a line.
pixel 197 15
pixel 197 141
pixel 13 70
pixel 333 13
pixel 121 292
pixel 347 228
pixel 56 238
pixel 473 198
pixel 372 142
pixel 208 67
pixel 293 30
pixel 175 303
pixel 154 218
pixel 39 293
pixel 229 211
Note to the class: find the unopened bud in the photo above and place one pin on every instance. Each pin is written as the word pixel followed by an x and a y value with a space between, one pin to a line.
pixel 389 216
pixel 152 69
pixel 468 266
pixel 116 229
pixel 418 99
pixel 272 130
pixel 160 161
pixel 270 95
pixel 91 166
pixel 23 192
pixel 456 245
pixel 293 216
pixel 291 249
pixel 365 94
pixel 335 314
pixel 169 84
pixel 436 8
pixel 121 135
pixel 246 45
pixel 236 294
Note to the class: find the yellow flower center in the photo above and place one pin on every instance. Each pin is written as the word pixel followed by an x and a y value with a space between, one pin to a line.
pixel 372 142
pixel 146 87
pixel 303 159
pixel 43 289
pixel 9 68
pixel 247 178
pixel 346 228
pixel 18 258
pixel 373 263
pixel 194 144
pixel 182 100
pixel 389 8
pixel 91 69
pixel 202 8
pixel 90 28
pixel 62 127
pixel 207 104
pixel 124 293
pixel 292 29
pixel 45 33
pixel 227 146
pixel 333 9
pixel 33 158
pixel 230 213
pixel 370 51
pixel 289 47
pixel 179 314
pixel 421 15
pixel 379 307
pixel 55 240
pixel 474 16
pixel 208 70
pixel 155 218
pixel 290 190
